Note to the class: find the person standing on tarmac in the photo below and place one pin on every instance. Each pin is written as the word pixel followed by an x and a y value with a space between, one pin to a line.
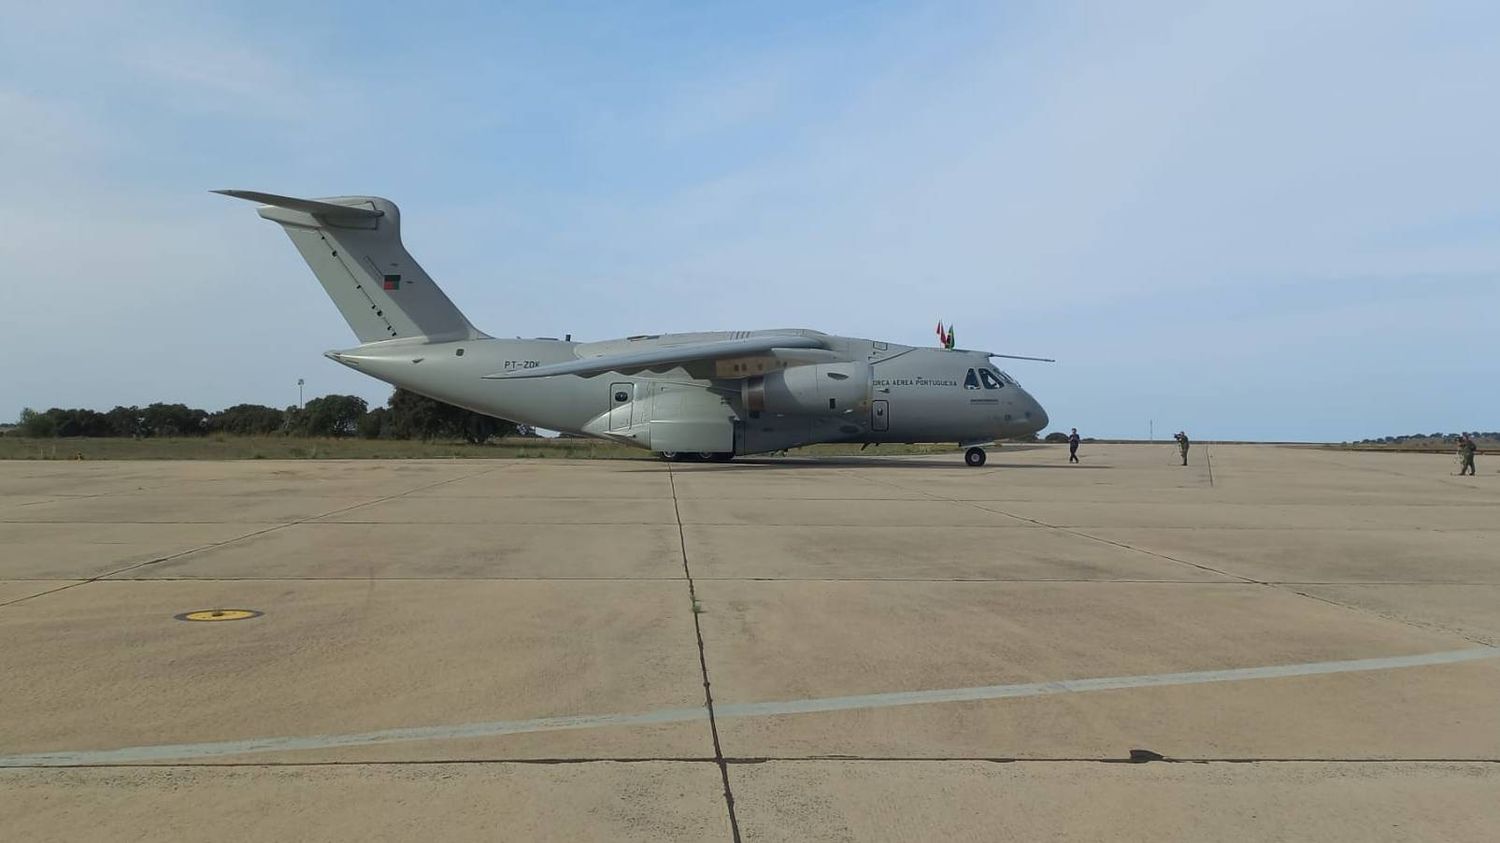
pixel 1073 446
pixel 1182 445
pixel 1466 449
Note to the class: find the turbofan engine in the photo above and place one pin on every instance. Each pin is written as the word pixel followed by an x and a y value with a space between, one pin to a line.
pixel 802 390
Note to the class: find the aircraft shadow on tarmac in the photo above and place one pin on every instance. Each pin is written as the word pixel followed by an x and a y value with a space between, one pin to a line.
pixel 806 463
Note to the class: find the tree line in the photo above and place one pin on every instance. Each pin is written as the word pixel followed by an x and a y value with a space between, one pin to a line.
pixel 406 415
pixel 1427 437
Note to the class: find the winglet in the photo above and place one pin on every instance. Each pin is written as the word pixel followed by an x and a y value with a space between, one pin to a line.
pixel 307 206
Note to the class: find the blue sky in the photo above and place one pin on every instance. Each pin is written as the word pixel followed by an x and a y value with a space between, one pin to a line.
pixel 1250 220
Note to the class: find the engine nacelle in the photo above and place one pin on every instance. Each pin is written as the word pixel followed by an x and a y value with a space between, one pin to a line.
pixel 807 390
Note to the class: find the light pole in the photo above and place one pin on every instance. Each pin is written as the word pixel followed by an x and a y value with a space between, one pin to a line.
pixel 299 394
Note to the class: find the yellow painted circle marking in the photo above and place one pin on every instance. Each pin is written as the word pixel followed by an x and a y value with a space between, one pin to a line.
pixel 219 615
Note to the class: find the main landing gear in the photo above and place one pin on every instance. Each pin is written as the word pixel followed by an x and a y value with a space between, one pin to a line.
pixel 974 457
pixel 690 456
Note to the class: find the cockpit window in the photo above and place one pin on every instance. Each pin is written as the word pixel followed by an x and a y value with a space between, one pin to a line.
pixel 991 379
pixel 1004 377
pixel 971 381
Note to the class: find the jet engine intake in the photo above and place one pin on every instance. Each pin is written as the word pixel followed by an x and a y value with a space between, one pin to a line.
pixel 803 390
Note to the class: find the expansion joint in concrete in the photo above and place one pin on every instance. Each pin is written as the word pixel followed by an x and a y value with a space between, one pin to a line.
pixel 708 696
pixel 752 760
pixel 1064 759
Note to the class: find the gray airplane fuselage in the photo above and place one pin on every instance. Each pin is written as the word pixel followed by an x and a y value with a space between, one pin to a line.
pixel 892 393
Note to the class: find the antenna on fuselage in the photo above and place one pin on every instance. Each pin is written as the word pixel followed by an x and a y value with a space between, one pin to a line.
pixel 1019 357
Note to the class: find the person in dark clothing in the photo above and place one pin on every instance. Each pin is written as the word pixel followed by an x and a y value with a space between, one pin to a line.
pixel 1466 449
pixel 1073 446
pixel 1182 445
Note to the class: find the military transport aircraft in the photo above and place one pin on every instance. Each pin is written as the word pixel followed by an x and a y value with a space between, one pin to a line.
pixel 709 395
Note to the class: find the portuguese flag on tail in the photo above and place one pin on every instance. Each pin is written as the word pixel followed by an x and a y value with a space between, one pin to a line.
pixel 392 282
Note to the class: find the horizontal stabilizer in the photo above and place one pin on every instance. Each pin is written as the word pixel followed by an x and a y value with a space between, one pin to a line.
pixel 307 206
pixel 663 356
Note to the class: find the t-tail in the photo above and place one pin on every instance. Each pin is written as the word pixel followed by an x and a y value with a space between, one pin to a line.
pixel 353 245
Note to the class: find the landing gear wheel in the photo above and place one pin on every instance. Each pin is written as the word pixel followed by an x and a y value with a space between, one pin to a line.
pixel 974 457
pixel 669 456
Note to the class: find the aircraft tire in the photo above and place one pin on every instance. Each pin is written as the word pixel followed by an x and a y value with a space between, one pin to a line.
pixel 669 456
pixel 974 457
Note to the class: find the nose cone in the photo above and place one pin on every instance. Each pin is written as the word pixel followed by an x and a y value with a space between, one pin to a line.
pixel 1035 416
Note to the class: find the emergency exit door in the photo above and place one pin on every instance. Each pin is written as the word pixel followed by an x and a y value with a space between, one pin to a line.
pixel 879 416
pixel 620 395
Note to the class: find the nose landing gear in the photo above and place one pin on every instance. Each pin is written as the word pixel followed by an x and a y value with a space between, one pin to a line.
pixel 974 457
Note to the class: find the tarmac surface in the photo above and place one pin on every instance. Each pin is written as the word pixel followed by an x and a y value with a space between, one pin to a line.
pixel 1299 644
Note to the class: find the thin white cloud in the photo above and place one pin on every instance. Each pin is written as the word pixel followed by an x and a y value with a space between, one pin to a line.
pixel 704 108
pixel 221 76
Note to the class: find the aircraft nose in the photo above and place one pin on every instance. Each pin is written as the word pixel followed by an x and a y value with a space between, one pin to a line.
pixel 1031 411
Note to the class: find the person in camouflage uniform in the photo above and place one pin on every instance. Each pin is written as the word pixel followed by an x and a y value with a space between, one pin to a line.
pixel 1466 449
pixel 1182 445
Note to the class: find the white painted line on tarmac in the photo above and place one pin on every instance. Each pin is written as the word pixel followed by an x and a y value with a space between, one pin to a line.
pixel 220 749
pixel 223 749
pixel 1108 683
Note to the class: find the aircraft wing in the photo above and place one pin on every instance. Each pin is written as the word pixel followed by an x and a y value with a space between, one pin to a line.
pixel 664 355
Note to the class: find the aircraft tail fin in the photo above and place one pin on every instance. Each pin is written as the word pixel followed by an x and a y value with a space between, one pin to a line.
pixel 353 245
